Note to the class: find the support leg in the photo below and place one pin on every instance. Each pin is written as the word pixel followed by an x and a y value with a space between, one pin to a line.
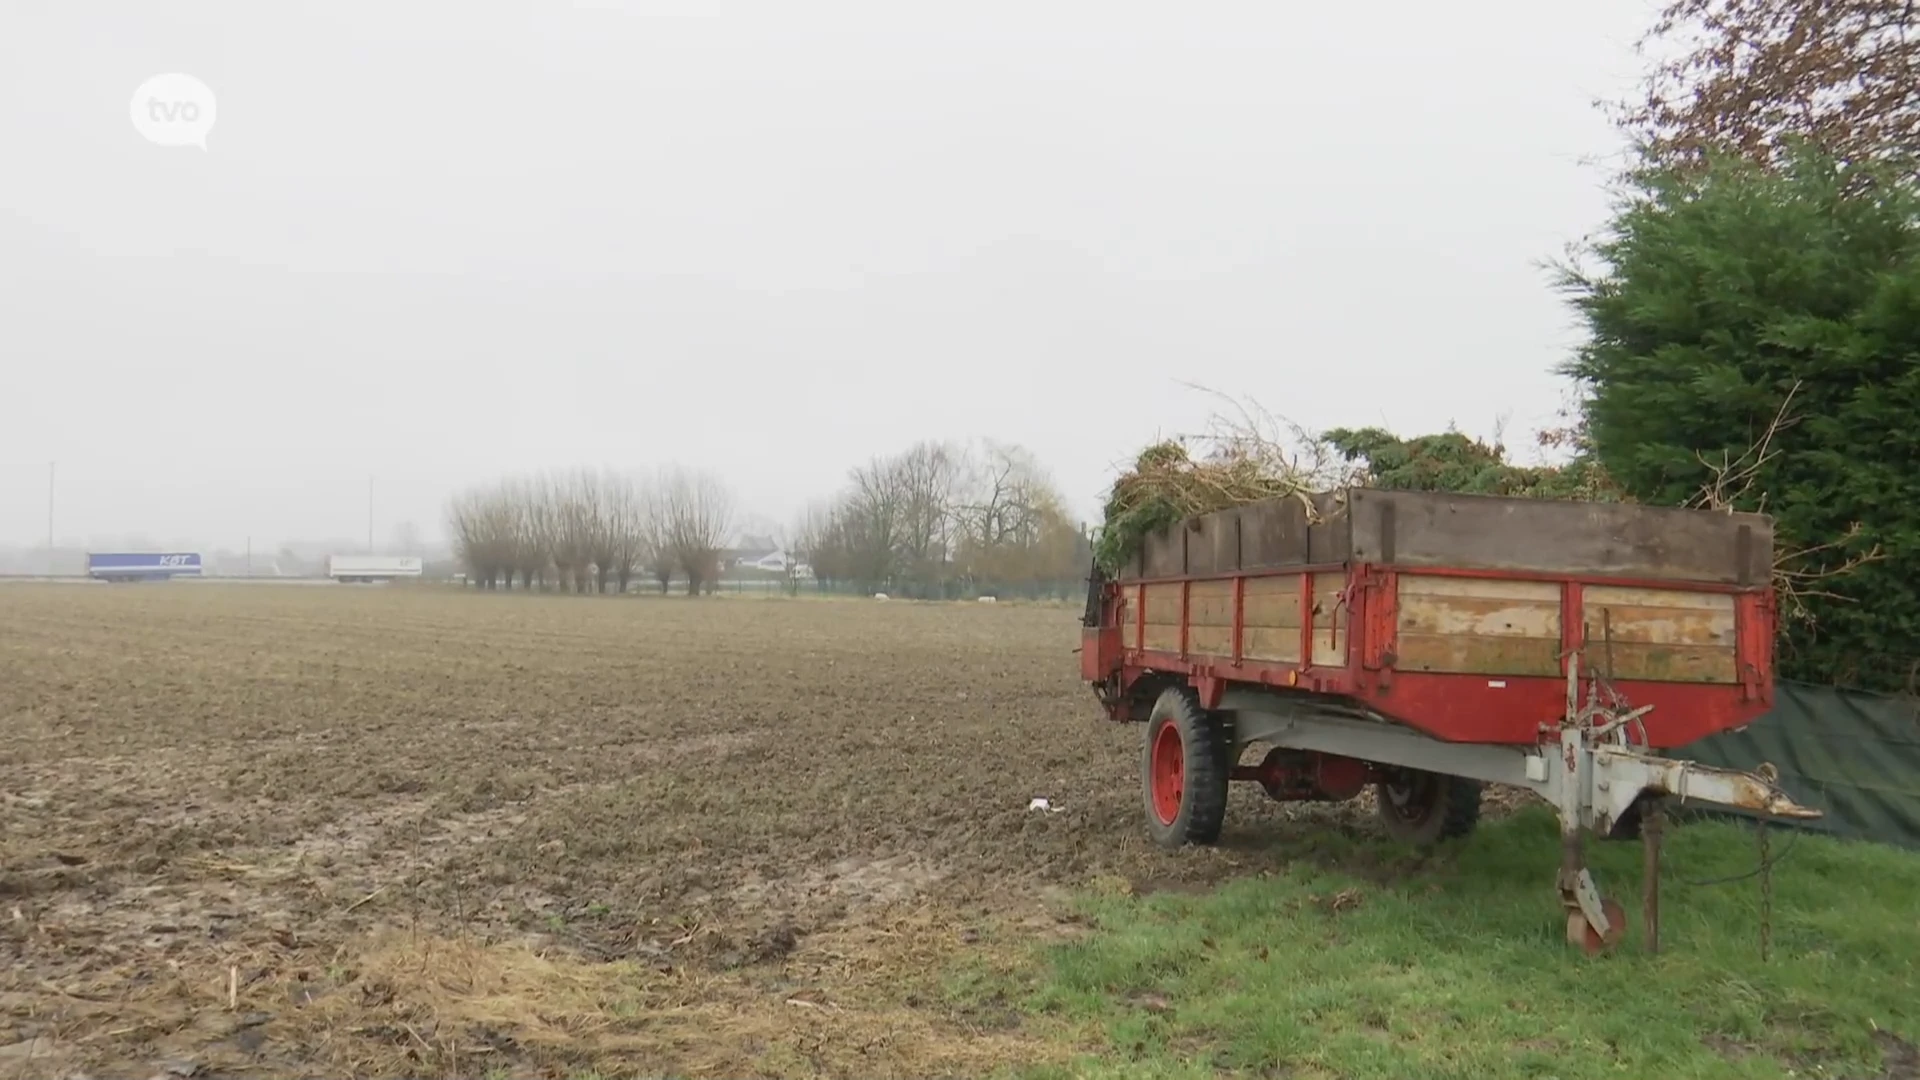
pixel 1653 816
pixel 1593 924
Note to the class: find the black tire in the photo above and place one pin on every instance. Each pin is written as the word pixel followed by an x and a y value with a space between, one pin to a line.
pixel 1191 811
pixel 1423 808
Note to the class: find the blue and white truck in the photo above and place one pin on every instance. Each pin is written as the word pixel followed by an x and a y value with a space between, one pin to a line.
pixel 142 565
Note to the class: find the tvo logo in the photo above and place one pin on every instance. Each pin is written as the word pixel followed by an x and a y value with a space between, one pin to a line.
pixel 173 110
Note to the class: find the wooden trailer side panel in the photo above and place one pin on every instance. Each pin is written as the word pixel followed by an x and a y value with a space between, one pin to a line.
pixel 1272 618
pixel 1210 617
pixel 1478 626
pixel 1160 624
pixel 1423 529
pixel 1416 529
pixel 1662 635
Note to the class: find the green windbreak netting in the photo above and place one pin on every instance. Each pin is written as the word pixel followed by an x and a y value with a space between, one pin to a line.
pixel 1854 755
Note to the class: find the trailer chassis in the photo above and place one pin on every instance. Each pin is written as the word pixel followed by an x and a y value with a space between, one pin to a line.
pixel 1586 766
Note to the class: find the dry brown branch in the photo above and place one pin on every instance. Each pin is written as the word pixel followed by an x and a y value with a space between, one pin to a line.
pixel 1247 454
pixel 1281 446
pixel 1730 484
pixel 1731 480
pixel 1795 586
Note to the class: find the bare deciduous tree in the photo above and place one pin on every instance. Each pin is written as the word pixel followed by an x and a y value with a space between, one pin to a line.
pixel 656 551
pixel 698 514
pixel 936 519
pixel 925 478
pixel 1752 75
pixel 627 510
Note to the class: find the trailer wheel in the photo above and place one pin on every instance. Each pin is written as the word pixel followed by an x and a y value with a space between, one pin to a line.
pixel 1423 808
pixel 1184 770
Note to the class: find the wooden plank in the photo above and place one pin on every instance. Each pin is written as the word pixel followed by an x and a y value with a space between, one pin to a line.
pixel 1668 663
pixel 1489 588
pixel 1213 543
pixel 1473 616
pixel 1273 532
pixel 1161 554
pixel 1272 602
pixel 1281 644
pixel 1162 601
pixel 1227 541
pixel 1663 617
pixel 1477 626
pixel 1329 539
pixel 1482 655
pixel 1660 626
pixel 1326 598
pixel 1210 604
pixel 1626 596
pixel 1473 607
pixel 1210 641
pixel 1329 648
pixel 1160 637
pixel 1129 621
pixel 1560 537
pixel 1478 617
pixel 1663 635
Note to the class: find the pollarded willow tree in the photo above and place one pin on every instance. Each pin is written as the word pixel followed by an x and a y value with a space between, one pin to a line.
pixel 593 530
pixel 1766 322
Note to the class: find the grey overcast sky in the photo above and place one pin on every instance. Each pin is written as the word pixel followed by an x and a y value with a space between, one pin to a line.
pixel 437 242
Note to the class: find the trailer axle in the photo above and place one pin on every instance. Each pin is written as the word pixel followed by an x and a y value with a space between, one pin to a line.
pixel 1308 776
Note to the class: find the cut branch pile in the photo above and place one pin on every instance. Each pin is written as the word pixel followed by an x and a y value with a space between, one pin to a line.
pixel 1244 458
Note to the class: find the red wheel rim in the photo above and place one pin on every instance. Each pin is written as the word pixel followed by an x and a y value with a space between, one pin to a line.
pixel 1168 773
pixel 1581 932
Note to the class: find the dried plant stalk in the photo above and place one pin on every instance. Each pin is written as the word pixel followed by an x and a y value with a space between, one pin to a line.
pixel 1246 455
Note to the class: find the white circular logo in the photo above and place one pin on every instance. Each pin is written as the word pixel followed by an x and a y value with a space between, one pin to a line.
pixel 173 110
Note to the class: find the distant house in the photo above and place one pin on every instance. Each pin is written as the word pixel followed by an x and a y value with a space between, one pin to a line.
pixel 776 561
pixel 753 551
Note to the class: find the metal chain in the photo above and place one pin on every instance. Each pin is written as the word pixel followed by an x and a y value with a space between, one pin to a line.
pixel 1763 867
pixel 1766 896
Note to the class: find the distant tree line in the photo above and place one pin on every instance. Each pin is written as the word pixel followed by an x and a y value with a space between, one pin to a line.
pixel 936 520
pixel 944 520
pixel 594 531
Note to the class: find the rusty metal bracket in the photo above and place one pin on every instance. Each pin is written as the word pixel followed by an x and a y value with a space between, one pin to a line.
pixel 1596 777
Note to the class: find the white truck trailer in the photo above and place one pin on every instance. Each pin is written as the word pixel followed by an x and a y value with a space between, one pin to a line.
pixel 370 568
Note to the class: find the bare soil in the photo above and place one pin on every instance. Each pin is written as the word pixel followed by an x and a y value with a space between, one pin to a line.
pixel 393 831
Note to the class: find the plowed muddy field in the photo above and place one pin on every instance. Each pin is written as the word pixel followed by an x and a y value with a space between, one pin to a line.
pixel 265 831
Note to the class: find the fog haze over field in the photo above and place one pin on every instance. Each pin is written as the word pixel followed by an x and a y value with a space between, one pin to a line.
pixel 437 243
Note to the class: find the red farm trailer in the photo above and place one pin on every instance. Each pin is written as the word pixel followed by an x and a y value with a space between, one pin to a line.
pixel 1424 644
